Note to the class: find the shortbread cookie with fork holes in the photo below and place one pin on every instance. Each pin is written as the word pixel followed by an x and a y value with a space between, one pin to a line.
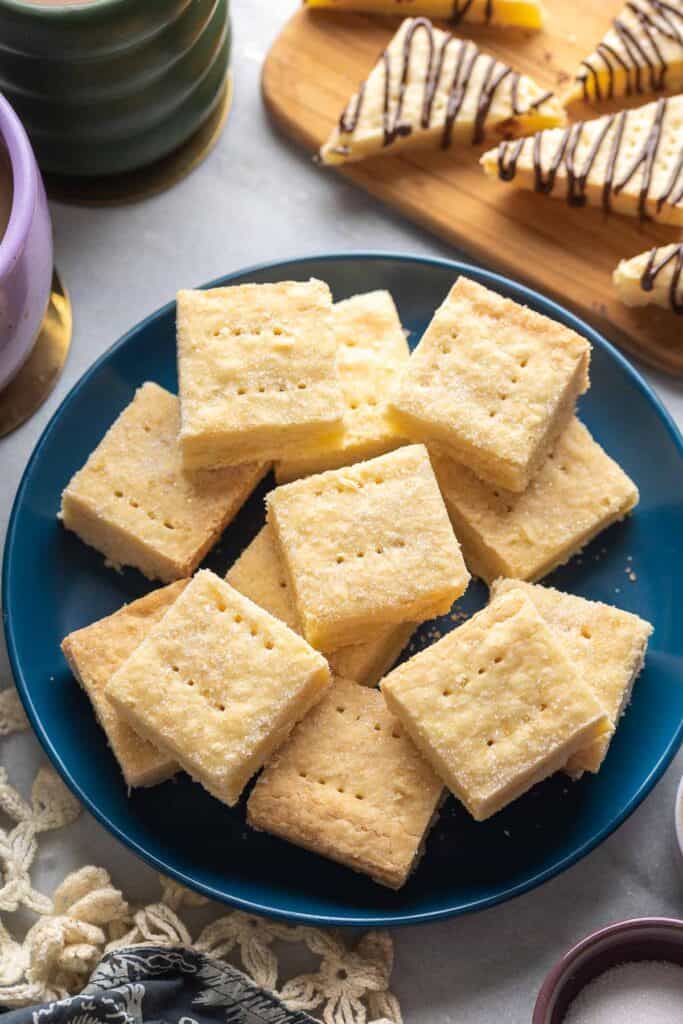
pixel 605 645
pixel 492 382
pixel 371 351
pixel 351 786
pixel 95 653
pixel 431 89
pixel 495 706
pixel 520 13
pixel 133 501
pixel 630 162
pixel 578 492
pixel 257 372
pixel 642 51
pixel 654 277
pixel 366 547
pixel 218 684
pixel 259 574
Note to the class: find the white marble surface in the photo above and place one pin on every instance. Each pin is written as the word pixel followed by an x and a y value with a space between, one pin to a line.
pixel 257 198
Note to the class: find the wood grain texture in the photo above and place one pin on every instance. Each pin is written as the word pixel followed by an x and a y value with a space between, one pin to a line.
pixel 318 61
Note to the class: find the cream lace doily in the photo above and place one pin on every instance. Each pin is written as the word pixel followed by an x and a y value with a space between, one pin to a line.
pixel 87 915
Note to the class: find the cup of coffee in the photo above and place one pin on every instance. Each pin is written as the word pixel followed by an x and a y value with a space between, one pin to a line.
pixel 109 86
pixel 25 246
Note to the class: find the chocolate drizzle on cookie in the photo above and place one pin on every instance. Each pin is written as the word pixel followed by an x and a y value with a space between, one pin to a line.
pixel 461 8
pixel 640 56
pixel 351 115
pixel 611 133
pixel 657 262
pixel 468 58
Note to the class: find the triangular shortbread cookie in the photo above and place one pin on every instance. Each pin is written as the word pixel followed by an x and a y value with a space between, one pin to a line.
pixel 522 13
pixel 654 277
pixel 430 88
pixel 641 52
pixel 630 162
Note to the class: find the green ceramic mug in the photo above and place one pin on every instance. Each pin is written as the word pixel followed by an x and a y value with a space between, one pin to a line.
pixel 107 86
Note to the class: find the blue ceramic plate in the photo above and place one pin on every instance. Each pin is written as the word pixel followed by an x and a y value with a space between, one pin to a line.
pixel 53 584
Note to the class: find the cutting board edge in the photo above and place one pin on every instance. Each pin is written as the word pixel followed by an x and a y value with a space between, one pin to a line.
pixel 663 358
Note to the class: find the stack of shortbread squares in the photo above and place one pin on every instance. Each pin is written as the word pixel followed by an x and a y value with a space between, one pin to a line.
pixel 397 473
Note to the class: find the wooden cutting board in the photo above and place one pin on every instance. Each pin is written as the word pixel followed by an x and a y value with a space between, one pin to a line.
pixel 318 61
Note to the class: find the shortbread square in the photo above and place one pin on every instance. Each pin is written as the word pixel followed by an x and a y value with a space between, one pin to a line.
pixel 218 684
pixel 371 351
pixel 605 645
pixel 257 372
pixel 492 382
pixel 350 785
pixel 367 546
pixel 495 706
pixel 95 653
pixel 133 502
pixel 578 492
pixel 259 574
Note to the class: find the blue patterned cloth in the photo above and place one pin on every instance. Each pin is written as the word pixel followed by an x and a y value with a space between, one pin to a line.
pixel 152 985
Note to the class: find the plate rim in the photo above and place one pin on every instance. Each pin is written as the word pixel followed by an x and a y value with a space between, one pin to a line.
pixel 386 918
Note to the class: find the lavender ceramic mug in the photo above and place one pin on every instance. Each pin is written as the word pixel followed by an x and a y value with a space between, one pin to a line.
pixel 25 249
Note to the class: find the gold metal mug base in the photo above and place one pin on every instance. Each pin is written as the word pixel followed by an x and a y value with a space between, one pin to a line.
pixel 117 189
pixel 27 391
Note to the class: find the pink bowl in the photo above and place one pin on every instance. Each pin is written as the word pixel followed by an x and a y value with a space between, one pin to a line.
pixel 25 251
pixel 645 938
